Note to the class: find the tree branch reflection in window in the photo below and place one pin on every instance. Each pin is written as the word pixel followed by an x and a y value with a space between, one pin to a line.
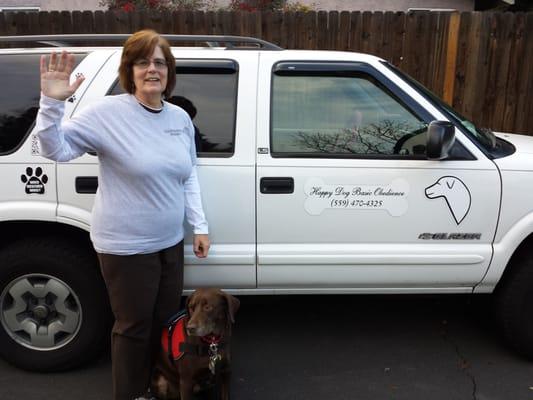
pixel 375 138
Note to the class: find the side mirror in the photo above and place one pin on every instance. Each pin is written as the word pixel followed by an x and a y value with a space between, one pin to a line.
pixel 440 139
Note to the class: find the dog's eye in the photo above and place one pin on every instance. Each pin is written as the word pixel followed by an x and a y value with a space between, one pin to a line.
pixel 208 308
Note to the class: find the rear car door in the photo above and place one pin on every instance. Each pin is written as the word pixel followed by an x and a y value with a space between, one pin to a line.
pixel 218 92
pixel 27 179
pixel 347 199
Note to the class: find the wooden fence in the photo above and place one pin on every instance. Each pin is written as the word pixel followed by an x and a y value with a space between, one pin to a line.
pixel 481 63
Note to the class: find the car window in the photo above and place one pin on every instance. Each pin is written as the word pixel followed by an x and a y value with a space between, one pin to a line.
pixel 207 90
pixel 19 97
pixel 341 115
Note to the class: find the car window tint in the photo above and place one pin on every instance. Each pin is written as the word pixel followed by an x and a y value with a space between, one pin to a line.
pixel 19 97
pixel 341 115
pixel 207 90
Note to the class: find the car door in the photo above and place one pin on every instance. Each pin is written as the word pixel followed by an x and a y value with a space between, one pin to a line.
pixel 346 197
pixel 218 92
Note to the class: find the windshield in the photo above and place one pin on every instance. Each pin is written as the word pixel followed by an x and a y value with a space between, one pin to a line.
pixel 483 136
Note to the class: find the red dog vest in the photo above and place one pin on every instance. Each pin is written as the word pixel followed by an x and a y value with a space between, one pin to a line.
pixel 174 334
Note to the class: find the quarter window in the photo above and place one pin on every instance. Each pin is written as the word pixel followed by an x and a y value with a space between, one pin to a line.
pixel 19 98
pixel 346 114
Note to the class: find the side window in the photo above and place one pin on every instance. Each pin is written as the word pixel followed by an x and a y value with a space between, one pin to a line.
pixel 19 97
pixel 347 114
pixel 207 90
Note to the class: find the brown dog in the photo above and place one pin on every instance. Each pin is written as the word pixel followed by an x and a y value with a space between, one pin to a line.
pixel 201 365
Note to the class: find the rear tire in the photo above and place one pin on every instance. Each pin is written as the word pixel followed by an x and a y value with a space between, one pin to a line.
pixel 514 305
pixel 54 312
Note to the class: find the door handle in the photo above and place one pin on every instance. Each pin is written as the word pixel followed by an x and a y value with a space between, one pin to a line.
pixel 86 184
pixel 276 185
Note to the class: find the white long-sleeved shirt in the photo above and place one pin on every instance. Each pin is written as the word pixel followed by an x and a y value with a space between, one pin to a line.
pixel 147 170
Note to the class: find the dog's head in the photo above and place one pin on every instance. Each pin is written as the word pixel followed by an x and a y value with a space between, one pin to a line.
pixel 211 311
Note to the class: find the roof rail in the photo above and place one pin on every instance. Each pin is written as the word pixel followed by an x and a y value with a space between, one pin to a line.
pixel 211 40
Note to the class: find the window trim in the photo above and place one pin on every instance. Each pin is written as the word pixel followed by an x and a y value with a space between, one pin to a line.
pixel 350 68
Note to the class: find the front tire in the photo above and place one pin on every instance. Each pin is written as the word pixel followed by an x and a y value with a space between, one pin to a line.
pixel 514 305
pixel 54 313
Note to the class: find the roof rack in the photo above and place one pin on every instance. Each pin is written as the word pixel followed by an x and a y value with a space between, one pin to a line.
pixel 211 40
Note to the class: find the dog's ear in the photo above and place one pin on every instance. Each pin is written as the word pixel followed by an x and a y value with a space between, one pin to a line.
pixel 189 299
pixel 233 305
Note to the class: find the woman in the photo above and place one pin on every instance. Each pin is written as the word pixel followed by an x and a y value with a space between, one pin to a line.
pixel 147 185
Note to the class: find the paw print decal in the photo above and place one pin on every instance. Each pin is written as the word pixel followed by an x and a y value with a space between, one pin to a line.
pixel 34 181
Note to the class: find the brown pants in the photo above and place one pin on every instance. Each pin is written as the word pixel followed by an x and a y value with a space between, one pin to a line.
pixel 144 291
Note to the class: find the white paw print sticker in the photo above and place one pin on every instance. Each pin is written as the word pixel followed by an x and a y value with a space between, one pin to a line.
pixel 321 196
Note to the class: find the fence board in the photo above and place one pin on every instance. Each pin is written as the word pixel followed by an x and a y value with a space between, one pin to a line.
pixel 44 23
pixel 461 63
pixel 99 22
pixel 446 64
pixel 517 48
pixel 356 29
pixel 21 21
pixel 187 22
pixel 284 32
pixel 322 31
pixel 246 24
pixel 525 106
pixel 375 39
pixel 3 24
pixel 344 31
pixel 155 20
pixel 387 38
pixel 486 75
pixel 333 30
pixel 310 23
pixel 498 81
pixel 524 78
pixel 87 22
pixel 411 49
pixel 423 34
pixel 480 62
pixel 398 39
pixel 473 59
pixel 266 25
pixel 199 23
pixel 366 33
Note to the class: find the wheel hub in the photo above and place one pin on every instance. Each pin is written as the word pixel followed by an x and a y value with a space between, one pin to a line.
pixel 40 312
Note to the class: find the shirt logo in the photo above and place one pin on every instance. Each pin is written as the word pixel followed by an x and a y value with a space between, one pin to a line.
pixel 174 132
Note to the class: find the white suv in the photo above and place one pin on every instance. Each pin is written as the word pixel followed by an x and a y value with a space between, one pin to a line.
pixel 321 172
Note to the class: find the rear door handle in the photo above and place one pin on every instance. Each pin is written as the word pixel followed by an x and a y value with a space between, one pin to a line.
pixel 86 184
pixel 276 185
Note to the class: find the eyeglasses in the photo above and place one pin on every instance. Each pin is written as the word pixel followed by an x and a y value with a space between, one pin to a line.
pixel 143 63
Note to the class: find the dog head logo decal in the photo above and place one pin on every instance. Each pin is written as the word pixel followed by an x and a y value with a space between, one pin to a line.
pixel 456 194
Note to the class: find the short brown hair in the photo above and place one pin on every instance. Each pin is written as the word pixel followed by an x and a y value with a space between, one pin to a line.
pixel 141 45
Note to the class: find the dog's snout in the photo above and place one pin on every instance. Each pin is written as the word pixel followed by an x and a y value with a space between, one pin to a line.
pixel 192 329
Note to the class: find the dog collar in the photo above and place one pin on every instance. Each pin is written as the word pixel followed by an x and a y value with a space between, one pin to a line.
pixel 211 339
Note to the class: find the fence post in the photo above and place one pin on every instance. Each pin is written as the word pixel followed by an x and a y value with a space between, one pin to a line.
pixel 451 57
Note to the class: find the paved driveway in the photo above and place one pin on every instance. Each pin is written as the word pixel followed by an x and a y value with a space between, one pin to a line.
pixel 339 347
